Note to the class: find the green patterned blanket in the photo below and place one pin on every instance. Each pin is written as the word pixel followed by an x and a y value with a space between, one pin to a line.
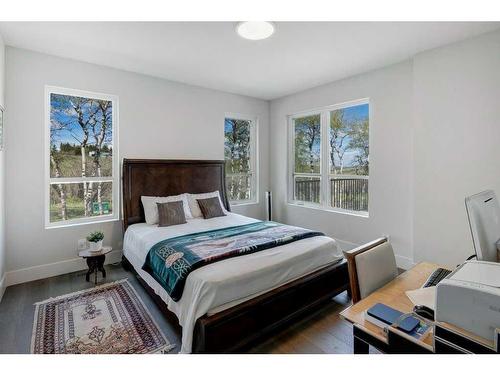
pixel 170 261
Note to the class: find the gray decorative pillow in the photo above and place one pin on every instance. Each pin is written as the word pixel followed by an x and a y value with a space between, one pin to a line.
pixel 170 213
pixel 210 207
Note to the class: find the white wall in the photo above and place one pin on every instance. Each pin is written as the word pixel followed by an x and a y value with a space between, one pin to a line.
pixel 457 142
pixel 158 119
pixel 434 133
pixel 2 177
pixel 390 92
pixel 434 139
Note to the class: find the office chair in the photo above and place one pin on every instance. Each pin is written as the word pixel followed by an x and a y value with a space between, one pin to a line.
pixel 483 212
pixel 371 266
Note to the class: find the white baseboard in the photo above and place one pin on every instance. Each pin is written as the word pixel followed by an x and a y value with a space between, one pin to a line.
pixel 3 286
pixel 404 262
pixel 53 269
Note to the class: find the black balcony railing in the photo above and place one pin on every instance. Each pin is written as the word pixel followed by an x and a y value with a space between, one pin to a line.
pixel 347 192
pixel 350 193
pixel 307 189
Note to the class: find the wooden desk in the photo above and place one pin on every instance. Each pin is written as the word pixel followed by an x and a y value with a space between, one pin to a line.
pixel 393 295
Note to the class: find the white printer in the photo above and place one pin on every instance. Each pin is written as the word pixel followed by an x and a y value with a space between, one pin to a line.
pixel 469 298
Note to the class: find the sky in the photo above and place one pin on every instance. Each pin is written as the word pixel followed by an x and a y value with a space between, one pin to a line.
pixel 357 113
pixel 62 113
pixel 228 125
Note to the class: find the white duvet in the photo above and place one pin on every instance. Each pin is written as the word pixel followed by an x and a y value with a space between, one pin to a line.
pixel 218 286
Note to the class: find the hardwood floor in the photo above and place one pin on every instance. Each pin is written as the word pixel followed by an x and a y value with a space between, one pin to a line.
pixel 320 332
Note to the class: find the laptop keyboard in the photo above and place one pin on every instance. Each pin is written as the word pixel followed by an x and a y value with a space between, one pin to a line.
pixel 436 277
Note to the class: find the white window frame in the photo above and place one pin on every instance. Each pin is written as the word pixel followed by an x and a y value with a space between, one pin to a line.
pixel 115 175
pixel 325 196
pixel 254 157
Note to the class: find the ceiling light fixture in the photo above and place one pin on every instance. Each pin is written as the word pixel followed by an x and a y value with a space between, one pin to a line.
pixel 255 30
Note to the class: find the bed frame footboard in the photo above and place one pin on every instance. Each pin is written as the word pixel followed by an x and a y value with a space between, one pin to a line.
pixel 234 329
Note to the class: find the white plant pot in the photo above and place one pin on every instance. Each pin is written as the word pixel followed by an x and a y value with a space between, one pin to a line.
pixel 96 246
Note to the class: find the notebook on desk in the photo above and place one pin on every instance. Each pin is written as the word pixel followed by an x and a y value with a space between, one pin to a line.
pixel 423 296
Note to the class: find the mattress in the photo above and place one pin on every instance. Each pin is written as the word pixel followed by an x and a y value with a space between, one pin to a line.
pixel 224 284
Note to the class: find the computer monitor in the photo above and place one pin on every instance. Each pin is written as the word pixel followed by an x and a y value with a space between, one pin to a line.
pixel 483 212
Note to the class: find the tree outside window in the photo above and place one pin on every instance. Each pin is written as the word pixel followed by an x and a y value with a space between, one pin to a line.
pixel 82 181
pixel 307 179
pixel 239 153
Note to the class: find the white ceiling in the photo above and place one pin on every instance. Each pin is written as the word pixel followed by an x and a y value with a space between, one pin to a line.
pixel 300 55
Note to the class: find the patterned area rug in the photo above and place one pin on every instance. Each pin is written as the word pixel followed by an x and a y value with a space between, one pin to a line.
pixel 109 319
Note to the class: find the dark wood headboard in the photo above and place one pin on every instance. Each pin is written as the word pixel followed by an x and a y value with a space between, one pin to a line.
pixel 168 177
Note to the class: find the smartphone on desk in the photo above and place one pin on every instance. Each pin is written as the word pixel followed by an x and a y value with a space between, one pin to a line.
pixel 388 315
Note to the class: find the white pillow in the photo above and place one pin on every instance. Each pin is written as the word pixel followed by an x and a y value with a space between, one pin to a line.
pixel 151 209
pixel 195 208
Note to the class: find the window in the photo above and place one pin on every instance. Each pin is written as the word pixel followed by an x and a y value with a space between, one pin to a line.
pixel 329 157
pixel 240 153
pixel 307 171
pixel 81 157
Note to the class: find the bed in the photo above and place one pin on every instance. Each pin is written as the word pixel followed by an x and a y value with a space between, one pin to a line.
pixel 232 303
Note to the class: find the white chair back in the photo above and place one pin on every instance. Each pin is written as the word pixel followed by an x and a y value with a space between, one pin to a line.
pixel 375 268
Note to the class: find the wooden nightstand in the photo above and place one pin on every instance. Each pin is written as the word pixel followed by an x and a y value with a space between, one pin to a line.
pixel 95 261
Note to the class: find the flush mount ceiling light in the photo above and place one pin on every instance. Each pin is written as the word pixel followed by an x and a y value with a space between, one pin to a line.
pixel 255 30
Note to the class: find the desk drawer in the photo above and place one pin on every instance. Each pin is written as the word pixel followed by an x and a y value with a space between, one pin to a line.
pixel 445 347
pixel 400 343
pixel 447 342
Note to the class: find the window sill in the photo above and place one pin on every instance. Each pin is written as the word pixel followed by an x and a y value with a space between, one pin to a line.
pixel 58 225
pixel 360 214
pixel 242 203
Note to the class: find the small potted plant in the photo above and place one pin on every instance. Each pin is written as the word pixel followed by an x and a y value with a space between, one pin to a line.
pixel 95 240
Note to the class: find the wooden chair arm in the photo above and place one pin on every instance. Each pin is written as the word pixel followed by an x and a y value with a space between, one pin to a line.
pixel 350 256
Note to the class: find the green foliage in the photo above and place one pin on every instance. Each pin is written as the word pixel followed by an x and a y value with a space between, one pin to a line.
pixel 348 136
pixel 75 149
pixel 95 236
pixel 360 142
pixel 237 143
pixel 74 209
pixel 70 164
pixel 338 141
pixel 307 144
pixel 75 206
pixel 237 146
